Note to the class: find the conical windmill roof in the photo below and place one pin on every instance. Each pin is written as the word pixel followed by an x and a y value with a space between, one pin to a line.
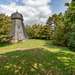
pixel 16 15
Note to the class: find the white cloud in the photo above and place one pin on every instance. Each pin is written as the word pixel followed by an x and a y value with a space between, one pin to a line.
pixel 68 1
pixel 34 11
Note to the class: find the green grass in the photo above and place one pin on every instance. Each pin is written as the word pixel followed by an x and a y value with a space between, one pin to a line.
pixel 36 57
pixel 27 44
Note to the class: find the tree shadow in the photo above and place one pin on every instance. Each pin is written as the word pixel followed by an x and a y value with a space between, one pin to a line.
pixel 36 62
pixel 5 44
pixel 49 44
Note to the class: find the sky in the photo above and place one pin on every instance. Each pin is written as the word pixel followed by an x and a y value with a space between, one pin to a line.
pixel 33 11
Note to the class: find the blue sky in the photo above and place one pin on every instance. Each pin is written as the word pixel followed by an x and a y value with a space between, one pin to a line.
pixel 56 5
pixel 34 11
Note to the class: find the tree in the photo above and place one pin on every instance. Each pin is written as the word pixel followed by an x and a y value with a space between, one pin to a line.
pixel 70 25
pixel 5 23
pixel 39 31
pixel 59 38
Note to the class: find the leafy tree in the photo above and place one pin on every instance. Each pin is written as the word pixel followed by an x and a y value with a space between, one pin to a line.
pixel 59 38
pixel 70 22
pixel 5 23
pixel 39 31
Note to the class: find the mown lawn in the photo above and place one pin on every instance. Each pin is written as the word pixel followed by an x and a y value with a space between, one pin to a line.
pixel 36 57
pixel 27 44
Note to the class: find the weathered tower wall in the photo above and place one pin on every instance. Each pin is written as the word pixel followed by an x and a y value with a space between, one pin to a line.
pixel 17 32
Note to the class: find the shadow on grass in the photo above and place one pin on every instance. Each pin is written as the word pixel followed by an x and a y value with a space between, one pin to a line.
pixel 4 44
pixel 49 44
pixel 37 62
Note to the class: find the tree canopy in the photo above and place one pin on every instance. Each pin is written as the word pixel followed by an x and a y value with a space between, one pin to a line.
pixel 5 23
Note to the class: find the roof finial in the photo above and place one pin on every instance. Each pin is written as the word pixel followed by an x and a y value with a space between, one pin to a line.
pixel 16 10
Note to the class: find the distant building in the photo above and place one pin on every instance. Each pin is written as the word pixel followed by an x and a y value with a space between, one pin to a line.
pixel 17 28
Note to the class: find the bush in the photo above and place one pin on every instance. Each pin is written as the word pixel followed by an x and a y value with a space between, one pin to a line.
pixel 39 31
pixel 71 41
pixel 5 39
pixel 5 23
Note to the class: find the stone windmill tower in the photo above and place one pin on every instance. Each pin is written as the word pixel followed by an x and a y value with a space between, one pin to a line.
pixel 17 28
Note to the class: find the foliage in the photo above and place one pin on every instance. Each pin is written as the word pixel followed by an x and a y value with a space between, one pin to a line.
pixel 70 25
pixel 59 38
pixel 64 33
pixel 58 30
pixel 39 31
pixel 4 28
pixel 71 41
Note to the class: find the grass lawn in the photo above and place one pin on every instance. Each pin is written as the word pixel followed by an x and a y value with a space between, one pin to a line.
pixel 27 44
pixel 36 57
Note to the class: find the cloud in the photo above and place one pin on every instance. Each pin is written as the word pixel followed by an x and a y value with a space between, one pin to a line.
pixel 68 1
pixel 34 11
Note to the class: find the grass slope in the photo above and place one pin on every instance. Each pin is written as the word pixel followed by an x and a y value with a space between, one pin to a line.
pixel 27 44
pixel 42 59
